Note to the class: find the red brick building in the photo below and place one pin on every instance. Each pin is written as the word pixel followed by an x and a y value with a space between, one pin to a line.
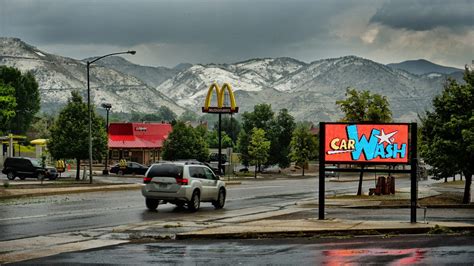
pixel 137 142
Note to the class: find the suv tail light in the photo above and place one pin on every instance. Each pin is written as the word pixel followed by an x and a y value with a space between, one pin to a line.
pixel 182 181
pixel 147 180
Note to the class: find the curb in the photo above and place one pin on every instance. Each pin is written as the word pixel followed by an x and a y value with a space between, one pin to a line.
pixel 452 206
pixel 315 233
pixel 72 191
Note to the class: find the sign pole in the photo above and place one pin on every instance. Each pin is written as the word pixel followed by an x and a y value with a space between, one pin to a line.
pixel 220 109
pixel 413 173
pixel 322 165
pixel 219 156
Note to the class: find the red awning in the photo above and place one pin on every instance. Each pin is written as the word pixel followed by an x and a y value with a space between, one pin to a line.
pixel 138 135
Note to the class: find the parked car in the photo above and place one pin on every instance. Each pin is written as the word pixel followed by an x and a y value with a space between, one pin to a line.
pixel 331 173
pixel 213 157
pixel 182 183
pixel 131 168
pixel 24 167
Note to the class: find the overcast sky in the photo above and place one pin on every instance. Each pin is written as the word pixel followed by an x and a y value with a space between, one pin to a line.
pixel 169 32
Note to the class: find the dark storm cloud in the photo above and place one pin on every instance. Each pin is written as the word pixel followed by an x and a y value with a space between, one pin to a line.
pixel 423 15
pixel 218 22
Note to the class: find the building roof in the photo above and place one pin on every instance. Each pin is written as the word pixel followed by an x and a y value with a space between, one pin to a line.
pixel 138 135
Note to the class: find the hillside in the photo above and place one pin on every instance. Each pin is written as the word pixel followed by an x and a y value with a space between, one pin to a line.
pixel 58 76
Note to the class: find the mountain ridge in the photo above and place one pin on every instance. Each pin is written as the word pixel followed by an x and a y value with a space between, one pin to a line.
pixel 57 76
pixel 308 90
pixel 423 66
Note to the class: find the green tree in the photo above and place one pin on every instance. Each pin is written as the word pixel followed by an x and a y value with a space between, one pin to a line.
pixel 8 103
pixel 150 117
pixel 282 132
pixel 213 140
pixel 258 148
pixel 188 116
pixel 261 117
pixel 136 117
pixel 185 142
pixel 70 133
pixel 27 97
pixel 362 106
pixel 40 126
pixel 447 141
pixel 166 114
pixel 303 146
pixel 243 141
pixel 231 126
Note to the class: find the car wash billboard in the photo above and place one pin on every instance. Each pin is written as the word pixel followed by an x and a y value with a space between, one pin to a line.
pixel 363 143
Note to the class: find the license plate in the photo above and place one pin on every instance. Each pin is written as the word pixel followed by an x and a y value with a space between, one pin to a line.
pixel 163 185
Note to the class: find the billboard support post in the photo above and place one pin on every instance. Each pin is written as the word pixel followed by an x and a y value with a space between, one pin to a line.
pixel 322 166
pixel 413 173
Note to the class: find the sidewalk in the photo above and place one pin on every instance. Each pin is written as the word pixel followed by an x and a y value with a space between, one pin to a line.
pixel 35 192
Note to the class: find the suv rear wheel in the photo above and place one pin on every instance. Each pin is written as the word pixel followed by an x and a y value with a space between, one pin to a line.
pixel 219 203
pixel 195 201
pixel 152 204
pixel 11 175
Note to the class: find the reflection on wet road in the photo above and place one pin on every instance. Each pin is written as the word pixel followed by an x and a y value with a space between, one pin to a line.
pixel 397 250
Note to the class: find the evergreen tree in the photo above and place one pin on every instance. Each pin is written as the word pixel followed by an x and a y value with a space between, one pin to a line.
pixel 283 129
pixel 447 139
pixel 70 133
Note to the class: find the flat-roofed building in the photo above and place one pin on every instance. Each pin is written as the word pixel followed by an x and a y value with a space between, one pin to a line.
pixel 137 142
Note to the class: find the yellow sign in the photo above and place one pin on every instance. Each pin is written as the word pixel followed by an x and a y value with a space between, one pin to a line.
pixel 220 108
pixel 60 166
pixel 122 164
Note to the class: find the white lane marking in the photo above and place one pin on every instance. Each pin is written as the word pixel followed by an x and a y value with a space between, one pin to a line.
pixel 24 217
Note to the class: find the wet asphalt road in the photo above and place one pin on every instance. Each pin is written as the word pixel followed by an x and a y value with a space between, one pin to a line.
pixel 395 250
pixel 30 217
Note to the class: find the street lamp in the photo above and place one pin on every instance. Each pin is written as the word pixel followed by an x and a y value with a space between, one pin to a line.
pixel 107 107
pixel 89 105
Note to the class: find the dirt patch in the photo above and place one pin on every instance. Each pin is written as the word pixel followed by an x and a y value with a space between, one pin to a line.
pixel 448 198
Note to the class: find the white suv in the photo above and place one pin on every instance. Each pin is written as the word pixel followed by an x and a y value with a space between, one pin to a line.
pixel 182 183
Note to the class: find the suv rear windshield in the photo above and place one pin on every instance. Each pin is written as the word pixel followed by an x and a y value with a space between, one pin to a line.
pixel 166 170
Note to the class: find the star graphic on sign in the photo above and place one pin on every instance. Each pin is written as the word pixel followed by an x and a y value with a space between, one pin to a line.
pixel 386 137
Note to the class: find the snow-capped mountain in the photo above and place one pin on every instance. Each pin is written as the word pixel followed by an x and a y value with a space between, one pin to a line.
pixel 308 90
pixel 152 76
pixel 58 76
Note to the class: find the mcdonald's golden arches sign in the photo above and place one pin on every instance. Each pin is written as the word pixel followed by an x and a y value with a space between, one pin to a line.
pixel 220 108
